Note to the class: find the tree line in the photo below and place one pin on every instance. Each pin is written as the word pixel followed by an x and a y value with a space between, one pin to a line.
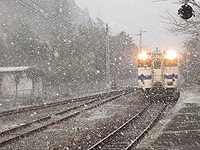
pixel 189 30
pixel 69 55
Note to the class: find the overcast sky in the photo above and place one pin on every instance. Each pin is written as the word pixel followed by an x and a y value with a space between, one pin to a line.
pixel 132 15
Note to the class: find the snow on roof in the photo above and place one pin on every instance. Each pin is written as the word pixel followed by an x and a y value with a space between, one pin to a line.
pixel 12 69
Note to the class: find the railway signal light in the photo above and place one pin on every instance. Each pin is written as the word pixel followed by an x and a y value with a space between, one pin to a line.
pixel 143 56
pixel 186 11
pixel 170 55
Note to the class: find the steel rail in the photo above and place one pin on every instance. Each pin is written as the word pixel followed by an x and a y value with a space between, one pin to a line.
pixel 123 125
pixel 49 117
pixel 146 129
pixel 7 141
pixel 53 104
pixel 45 118
pixel 137 137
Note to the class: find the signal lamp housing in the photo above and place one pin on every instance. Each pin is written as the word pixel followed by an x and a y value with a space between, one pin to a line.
pixel 186 11
pixel 143 56
pixel 170 55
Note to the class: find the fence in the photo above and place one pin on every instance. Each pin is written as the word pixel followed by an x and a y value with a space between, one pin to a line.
pixel 23 93
pixel 75 89
pixel 11 99
pixel 66 89
pixel 85 88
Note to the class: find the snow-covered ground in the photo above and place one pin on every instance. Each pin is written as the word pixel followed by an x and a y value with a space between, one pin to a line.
pixel 93 119
pixel 188 95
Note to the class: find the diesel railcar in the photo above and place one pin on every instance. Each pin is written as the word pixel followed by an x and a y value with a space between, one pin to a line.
pixel 158 74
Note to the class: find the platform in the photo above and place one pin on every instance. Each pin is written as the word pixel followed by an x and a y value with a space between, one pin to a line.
pixel 179 128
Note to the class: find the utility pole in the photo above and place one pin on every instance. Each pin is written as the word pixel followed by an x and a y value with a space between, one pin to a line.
pixel 187 69
pixel 140 41
pixel 107 61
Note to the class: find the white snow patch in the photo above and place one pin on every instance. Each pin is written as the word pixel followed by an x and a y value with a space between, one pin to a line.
pixel 98 115
pixel 187 96
pixel 190 97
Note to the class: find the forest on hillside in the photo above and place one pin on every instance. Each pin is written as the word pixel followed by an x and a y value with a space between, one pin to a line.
pixel 63 41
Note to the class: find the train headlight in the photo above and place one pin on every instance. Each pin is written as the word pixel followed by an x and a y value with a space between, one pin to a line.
pixel 143 56
pixel 171 55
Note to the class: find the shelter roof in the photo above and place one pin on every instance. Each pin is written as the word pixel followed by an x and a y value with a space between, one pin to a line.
pixel 13 69
pixel 20 69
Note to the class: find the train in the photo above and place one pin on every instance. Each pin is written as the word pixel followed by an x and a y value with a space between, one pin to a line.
pixel 158 74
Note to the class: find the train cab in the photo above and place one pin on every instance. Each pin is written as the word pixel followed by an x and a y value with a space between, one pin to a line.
pixel 144 70
pixel 170 70
pixel 158 72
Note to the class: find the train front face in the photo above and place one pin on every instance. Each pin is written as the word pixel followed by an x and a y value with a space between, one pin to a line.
pixel 171 74
pixel 170 69
pixel 158 73
pixel 144 70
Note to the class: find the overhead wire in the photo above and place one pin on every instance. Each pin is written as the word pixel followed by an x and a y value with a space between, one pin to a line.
pixel 26 4
pixel 53 16
pixel 46 17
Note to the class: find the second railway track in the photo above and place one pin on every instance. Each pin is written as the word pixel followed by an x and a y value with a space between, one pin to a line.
pixel 53 104
pixel 41 124
pixel 128 134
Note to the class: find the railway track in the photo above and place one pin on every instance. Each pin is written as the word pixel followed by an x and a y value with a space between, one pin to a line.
pixel 53 104
pixel 41 124
pixel 129 134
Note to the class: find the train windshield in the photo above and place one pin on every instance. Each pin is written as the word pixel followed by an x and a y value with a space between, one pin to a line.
pixel 144 63
pixel 170 63
pixel 157 64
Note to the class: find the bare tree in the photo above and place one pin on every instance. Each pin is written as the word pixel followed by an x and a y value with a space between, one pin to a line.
pixel 189 30
pixel 17 77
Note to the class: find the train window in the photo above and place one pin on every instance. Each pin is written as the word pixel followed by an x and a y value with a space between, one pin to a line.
pixel 146 63
pixel 170 63
pixel 157 64
pixel 154 55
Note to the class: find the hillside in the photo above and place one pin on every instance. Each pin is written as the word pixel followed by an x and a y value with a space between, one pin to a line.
pixel 42 15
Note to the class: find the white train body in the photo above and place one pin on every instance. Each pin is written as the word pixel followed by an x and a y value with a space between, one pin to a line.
pixel 158 70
